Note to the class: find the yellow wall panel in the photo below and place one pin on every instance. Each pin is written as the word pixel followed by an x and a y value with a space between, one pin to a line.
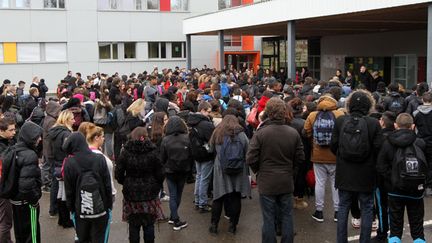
pixel 10 52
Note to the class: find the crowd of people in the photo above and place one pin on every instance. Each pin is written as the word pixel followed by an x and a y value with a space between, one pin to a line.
pixel 369 137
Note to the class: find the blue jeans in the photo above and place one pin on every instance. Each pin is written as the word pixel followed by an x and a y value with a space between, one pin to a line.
pixel 366 206
pixel 270 206
pixel 203 175
pixel 175 187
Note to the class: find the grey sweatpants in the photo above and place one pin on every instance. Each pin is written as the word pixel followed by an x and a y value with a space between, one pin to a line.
pixel 322 173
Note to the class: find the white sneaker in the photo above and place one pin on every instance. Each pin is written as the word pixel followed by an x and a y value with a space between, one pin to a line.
pixel 375 225
pixel 166 198
pixel 356 223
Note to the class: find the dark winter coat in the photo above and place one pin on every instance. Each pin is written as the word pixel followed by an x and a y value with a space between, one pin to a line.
pixel 140 171
pixel 84 159
pixel 114 95
pixel 204 126
pixel 29 179
pixel 366 79
pixel 386 159
pixel 191 106
pixel 131 122
pixel 176 150
pixel 357 177
pixel 423 121
pixel 52 112
pixel 390 98
pixel 57 136
pixel 274 158
pixel 413 104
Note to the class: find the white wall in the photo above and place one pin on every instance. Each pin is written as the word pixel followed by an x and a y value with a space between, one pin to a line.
pixel 374 45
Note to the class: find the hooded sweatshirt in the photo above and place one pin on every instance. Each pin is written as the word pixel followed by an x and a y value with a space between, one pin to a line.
pixel 29 179
pixel 52 112
pixel 56 136
pixel 81 158
pixel 423 121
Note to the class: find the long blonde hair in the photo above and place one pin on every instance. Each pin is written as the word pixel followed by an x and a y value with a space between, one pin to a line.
pixel 136 107
pixel 63 118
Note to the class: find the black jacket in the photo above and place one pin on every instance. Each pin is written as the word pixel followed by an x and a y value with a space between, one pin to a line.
pixel 82 158
pixel 57 135
pixel 394 96
pixel 397 139
pixel 114 95
pixel 413 104
pixel 423 121
pixel 131 122
pixel 204 126
pixel 175 149
pixel 139 170
pixel 29 179
pixel 357 177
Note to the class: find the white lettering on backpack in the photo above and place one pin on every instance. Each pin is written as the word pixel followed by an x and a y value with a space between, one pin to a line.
pixel 86 202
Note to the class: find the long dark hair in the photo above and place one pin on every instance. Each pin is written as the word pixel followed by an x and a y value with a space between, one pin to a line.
pixel 157 130
pixel 229 126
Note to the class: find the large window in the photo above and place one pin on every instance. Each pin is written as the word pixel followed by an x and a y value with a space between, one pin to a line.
pixel 405 70
pixel 129 4
pixel 14 3
pixel 28 52
pixel 54 3
pixel 41 52
pixel 222 4
pixel 177 49
pixel 179 5
pixel 153 49
pixel 55 52
pixel 130 50
pixel 153 4
pixel 108 51
pixel 232 40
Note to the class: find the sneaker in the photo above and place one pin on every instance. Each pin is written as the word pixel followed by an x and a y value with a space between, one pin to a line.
pixel 300 203
pixel 356 223
pixel 165 198
pixel 213 229
pixel 178 225
pixel 226 217
pixel 46 189
pixel 52 215
pixel 375 225
pixel 170 221
pixel 335 216
pixel 318 216
pixel 205 209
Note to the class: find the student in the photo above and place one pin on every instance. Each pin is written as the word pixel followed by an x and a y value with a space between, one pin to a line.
pixel 140 172
pixel 88 190
pixel 7 133
pixel 25 203
pixel 176 156
pixel 229 186
pixel 404 154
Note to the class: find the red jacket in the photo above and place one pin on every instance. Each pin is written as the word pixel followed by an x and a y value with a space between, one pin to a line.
pixel 262 103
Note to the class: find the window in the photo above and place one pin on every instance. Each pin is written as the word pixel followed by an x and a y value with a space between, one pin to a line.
pixel 176 49
pixel 28 52
pixel 153 49
pixel 108 51
pixel 14 3
pixel 54 3
pixel 179 5
pixel 232 40
pixel 55 52
pixel 404 69
pixel 229 3
pixel 163 49
pixel 153 4
pixel 139 5
pixel 1 52
pixel 130 50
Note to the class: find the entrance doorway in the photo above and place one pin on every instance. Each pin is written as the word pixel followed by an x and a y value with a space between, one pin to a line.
pixel 242 60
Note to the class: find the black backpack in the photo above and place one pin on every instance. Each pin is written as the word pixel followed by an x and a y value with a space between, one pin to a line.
pixel 354 145
pixel 9 173
pixel 410 169
pixel 396 105
pixel 89 195
pixel 200 148
pixel 323 128
pixel 179 155
pixel 232 155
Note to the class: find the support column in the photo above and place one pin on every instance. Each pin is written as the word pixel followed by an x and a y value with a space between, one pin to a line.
pixel 291 41
pixel 188 52
pixel 429 47
pixel 221 50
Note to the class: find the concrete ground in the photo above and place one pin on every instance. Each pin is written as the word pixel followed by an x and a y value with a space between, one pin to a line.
pixel 249 228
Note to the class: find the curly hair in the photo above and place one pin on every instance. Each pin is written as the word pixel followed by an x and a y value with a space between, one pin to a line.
pixel 275 109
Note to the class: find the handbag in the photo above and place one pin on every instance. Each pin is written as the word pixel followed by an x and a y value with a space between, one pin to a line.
pixel 252 118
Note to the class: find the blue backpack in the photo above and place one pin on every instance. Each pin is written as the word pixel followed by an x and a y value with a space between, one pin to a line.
pixel 323 128
pixel 232 155
pixel 225 90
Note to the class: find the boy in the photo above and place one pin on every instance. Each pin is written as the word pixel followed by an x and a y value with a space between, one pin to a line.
pixel 402 163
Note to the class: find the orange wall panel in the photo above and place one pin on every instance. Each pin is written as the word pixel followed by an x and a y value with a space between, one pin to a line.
pixel 248 43
pixel 244 2
pixel 165 5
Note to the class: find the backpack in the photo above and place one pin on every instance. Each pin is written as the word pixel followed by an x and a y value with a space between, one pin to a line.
pixel 200 148
pixel 232 155
pixel 101 116
pixel 179 159
pixel 225 92
pixel 9 173
pixel 396 105
pixel 323 128
pixel 409 171
pixel 354 143
pixel 89 195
